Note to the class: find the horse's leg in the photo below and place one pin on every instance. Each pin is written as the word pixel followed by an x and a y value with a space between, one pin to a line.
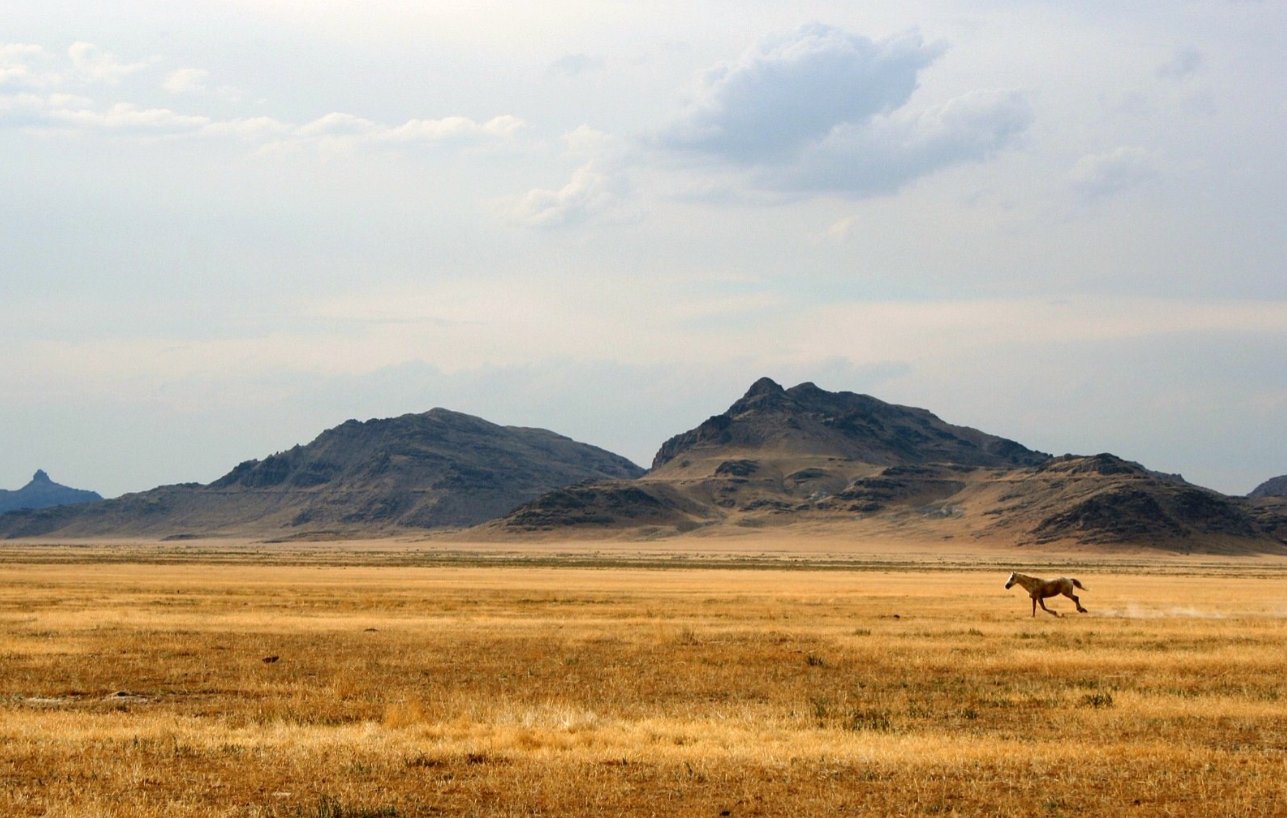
pixel 1044 608
pixel 1076 601
pixel 1034 606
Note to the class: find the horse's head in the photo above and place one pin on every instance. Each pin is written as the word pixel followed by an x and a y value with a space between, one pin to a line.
pixel 1009 583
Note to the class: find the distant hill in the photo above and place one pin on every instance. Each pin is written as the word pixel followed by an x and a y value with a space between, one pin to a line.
pixel 1273 487
pixel 41 492
pixel 430 470
pixel 1268 503
pixel 808 456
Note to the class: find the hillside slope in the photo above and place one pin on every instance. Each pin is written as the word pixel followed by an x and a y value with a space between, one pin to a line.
pixel 1273 487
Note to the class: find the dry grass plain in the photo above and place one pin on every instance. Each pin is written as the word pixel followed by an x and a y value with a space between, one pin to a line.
pixel 137 683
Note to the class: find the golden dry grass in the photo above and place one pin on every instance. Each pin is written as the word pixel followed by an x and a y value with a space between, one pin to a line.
pixel 140 689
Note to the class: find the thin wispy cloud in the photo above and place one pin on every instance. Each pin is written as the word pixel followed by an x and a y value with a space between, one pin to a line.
pixel 1184 63
pixel 39 101
pixel 576 64
pixel 1100 175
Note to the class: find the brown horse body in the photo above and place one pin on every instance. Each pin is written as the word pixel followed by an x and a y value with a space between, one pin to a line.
pixel 1041 589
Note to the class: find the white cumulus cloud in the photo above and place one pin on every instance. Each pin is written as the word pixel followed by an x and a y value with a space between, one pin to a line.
pixel 590 192
pixel 600 188
pixel 186 81
pixel 19 65
pixel 824 109
pixel 791 90
pixel 882 154
pixel 92 64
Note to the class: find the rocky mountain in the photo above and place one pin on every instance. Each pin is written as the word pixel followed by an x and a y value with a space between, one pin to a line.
pixel 801 459
pixel 1273 487
pixel 805 455
pixel 778 455
pixel 41 492
pixel 806 420
pixel 430 470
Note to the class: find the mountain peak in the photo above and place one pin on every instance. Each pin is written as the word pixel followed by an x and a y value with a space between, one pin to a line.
pixel 807 419
pixel 40 477
pixel 765 394
pixel 806 390
pixel 764 386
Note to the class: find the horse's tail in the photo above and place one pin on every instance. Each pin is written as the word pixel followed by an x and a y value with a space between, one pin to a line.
pixel 1079 585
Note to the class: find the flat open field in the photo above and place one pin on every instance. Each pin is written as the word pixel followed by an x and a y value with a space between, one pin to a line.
pixel 161 682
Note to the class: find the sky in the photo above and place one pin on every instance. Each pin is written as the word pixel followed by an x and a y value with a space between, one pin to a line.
pixel 227 226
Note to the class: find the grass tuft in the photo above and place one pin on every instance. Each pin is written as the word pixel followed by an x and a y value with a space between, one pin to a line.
pixel 330 807
pixel 1097 700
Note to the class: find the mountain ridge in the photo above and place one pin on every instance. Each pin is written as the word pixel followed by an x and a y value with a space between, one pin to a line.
pixel 777 457
pixel 429 470
pixel 780 456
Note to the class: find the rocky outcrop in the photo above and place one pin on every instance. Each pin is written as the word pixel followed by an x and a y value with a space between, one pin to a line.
pixel 41 492
pixel 609 504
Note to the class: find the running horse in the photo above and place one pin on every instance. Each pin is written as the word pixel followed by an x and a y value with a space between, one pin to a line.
pixel 1039 589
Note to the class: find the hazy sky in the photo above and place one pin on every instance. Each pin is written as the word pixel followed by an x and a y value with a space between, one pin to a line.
pixel 227 226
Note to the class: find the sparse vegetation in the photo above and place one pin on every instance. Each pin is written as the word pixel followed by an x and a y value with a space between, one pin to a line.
pixel 328 807
pixel 134 689
pixel 1097 700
